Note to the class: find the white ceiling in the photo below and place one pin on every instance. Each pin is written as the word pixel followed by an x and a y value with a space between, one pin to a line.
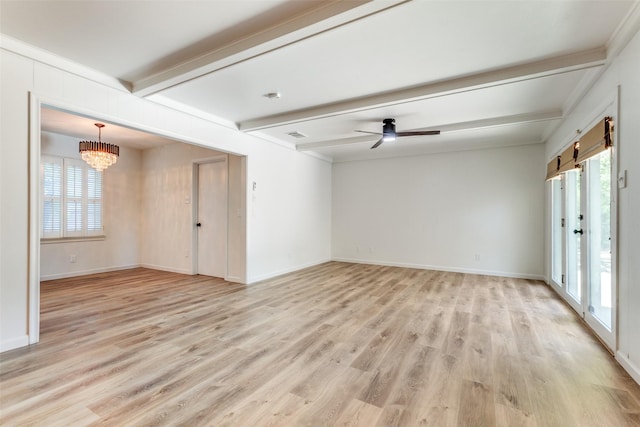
pixel 84 128
pixel 485 73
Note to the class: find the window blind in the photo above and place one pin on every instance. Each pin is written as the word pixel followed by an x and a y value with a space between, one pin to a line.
pixel 51 207
pixel 71 199
pixel 94 201
pixel 73 202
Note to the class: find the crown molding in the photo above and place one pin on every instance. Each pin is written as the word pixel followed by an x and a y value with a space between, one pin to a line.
pixel 628 28
pixel 47 58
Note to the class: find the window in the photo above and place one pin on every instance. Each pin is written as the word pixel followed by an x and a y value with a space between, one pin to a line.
pixel 71 199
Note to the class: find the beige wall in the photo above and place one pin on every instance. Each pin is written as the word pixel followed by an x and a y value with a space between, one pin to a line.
pixel 167 206
pixel 121 246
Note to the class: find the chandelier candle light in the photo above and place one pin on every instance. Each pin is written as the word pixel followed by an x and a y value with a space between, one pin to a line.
pixel 99 155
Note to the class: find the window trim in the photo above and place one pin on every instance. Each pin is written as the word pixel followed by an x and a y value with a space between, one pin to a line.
pixel 49 240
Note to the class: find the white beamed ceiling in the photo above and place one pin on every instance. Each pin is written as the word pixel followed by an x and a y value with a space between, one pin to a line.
pixel 486 73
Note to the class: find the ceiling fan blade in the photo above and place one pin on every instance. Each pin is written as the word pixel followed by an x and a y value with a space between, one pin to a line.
pixel 377 143
pixel 419 133
pixel 372 133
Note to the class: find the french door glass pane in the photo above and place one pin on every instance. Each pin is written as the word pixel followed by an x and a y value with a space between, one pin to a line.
pixel 556 231
pixel 599 248
pixel 573 227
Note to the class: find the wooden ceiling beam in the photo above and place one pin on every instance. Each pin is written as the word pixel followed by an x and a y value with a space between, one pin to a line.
pixel 513 74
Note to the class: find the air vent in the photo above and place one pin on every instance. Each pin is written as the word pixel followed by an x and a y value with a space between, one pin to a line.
pixel 297 134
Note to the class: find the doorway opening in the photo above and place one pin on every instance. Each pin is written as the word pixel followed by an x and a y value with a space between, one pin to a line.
pixel 135 234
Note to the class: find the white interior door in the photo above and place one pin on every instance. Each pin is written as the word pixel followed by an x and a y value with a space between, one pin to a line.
pixel 212 218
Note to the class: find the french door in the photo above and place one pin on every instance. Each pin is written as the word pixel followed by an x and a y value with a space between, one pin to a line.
pixel 581 249
pixel 574 233
pixel 600 292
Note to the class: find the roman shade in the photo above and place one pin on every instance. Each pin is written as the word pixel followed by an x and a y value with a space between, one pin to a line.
pixel 568 158
pixel 598 139
pixel 564 162
pixel 592 143
pixel 553 167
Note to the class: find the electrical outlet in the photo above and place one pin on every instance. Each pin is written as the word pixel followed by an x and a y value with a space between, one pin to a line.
pixel 73 259
pixel 477 257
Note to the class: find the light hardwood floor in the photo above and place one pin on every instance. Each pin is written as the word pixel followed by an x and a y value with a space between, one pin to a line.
pixel 336 344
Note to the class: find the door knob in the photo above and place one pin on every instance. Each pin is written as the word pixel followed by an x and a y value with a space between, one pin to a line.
pixel 198 225
pixel 579 231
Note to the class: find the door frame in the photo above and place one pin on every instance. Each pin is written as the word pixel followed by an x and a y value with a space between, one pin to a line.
pixel 36 103
pixel 195 197
pixel 608 338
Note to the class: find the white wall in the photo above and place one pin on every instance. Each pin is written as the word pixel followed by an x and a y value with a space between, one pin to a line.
pixel 289 225
pixel 120 248
pixel 298 230
pixel 441 211
pixel 237 221
pixel 15 81
pixel 625 73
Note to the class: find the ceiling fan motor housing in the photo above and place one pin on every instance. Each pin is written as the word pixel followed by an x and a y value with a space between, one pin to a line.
pixel 389 129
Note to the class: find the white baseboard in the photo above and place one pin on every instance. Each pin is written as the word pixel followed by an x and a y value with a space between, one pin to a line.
pixel 235 279
pixel 169 269
pixel 12 343
pixel 628 366
pixel 443 268
pixel 271 275
pixel 66 275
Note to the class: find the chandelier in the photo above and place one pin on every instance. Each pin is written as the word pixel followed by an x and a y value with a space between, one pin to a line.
pixel 99 155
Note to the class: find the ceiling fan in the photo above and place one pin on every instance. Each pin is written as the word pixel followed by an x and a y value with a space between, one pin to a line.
pixel 389 132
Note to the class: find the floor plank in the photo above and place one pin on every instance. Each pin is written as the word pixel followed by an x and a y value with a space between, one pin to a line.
pixel 335 344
